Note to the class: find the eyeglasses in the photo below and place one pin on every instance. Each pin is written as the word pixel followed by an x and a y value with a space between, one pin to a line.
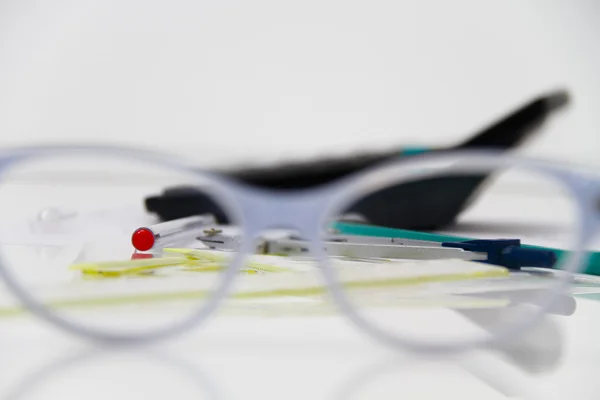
pixel 420 295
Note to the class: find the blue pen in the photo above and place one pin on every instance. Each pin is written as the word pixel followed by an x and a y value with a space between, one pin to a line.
pixel 592 267
pixel 507 253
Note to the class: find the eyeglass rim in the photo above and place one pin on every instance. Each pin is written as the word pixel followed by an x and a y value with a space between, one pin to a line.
pixel 564 175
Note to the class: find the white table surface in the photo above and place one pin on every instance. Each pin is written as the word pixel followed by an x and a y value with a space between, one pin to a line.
pixel 295 359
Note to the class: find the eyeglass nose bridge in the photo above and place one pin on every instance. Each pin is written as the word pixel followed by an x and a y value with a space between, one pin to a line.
pixel 592 191
pixel 295 211
pixel 596 207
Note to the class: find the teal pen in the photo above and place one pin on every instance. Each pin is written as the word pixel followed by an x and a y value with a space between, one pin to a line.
pixel 592 266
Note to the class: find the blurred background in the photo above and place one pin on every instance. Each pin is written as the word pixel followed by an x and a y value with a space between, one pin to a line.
pixel 260 81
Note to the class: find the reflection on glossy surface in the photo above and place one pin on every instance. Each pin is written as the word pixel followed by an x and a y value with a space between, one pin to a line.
pixel 123 374
pixel 142 373
pixel 507 368
pixel 537 350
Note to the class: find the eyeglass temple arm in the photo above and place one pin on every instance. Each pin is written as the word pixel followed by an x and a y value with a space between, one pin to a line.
pixel 518 125
pixel 506 133
pixel 180 202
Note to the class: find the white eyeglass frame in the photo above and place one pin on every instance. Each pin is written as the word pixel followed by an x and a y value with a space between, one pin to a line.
pixel 308 211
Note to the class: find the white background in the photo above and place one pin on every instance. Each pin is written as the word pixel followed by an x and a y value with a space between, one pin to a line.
pixel 236 81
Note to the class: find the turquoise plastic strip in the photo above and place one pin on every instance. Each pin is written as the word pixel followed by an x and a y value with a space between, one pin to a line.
pixel 412 151
pixel 592 266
